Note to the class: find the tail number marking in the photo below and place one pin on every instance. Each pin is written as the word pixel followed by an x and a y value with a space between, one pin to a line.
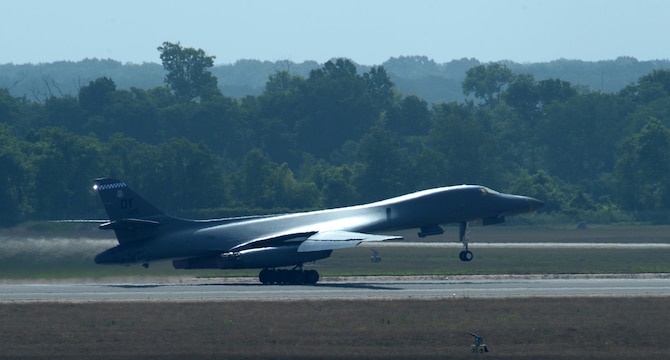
pixel 126 203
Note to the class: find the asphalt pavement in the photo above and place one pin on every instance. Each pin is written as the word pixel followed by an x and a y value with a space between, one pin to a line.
pixel 348 288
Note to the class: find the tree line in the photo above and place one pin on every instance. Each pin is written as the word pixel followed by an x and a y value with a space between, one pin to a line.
pixel 336 137
pixel 432 81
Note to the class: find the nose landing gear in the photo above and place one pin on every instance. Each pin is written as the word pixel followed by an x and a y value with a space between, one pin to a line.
pixel 464 237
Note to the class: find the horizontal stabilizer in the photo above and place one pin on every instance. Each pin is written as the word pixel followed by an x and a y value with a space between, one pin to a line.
pixel 332 240
pixel 81 221
pixel 129 224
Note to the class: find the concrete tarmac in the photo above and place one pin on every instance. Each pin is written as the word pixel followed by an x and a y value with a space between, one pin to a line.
pixel 343 288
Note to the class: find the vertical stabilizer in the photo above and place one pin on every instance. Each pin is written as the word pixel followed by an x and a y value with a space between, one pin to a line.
pixel 130 216
pixel 121 202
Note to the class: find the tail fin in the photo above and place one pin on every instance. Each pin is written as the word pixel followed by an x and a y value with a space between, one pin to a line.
pixel 130 216
pixel 121 202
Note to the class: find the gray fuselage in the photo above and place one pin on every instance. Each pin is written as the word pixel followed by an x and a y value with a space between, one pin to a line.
pixel 179 239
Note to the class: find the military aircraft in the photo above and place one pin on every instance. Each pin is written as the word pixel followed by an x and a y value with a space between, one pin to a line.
pixel 268 242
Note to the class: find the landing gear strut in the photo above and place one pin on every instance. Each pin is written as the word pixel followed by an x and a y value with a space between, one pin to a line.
pixel 464 237
pixel 295 276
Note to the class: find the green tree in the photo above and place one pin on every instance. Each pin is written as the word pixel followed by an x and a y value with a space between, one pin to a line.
pixel 336 184
pixel 654 85
pixel 486 82
pixel 92 98
pixel 20 114
pixel 193 175
pixel 580 136
pixel 469 150
pixel 282 82
pixel 428 169
pixel 410 117
pixel 522 95
pixel 135 162
pixel 264 184
pixel 8 107
pixel 554 90
pixel 643 169
pixel 383 165
pixel 252 178
pixel 282 190
pixel 541 186
pixel 650 97
pixel 14 179
pixel 334 108
pixel 64 165
pixel 64 112
pixel 379 87
pixel 274 116
pixel 188 76
pixel 519 118
pixel 130 112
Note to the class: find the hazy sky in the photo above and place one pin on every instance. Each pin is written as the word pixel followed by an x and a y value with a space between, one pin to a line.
pixel 367 31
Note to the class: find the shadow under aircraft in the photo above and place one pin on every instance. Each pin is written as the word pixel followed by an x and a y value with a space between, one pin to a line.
pixel 269 242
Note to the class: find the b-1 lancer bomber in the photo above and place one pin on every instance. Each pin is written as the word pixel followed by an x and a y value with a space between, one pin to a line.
pixel 269 242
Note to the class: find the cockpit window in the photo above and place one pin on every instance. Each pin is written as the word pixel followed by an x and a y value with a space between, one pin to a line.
pixel 485 191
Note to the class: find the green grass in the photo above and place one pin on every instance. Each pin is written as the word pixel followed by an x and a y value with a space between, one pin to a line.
pixel 31 254
pixel 409 261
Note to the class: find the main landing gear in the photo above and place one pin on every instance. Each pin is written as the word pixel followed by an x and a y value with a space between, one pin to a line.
pixel 464 237
pixel 295 276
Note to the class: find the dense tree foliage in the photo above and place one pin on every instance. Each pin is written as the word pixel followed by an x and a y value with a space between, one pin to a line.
pixel 487 82
pixel 643 169
pixel 413 75
pixel 187 73
pixel 336 137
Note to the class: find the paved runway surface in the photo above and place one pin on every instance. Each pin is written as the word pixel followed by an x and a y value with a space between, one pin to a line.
pixel 511 245
pixel 219 289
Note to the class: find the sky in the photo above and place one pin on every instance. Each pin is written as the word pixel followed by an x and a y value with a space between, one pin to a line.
pixel 368 32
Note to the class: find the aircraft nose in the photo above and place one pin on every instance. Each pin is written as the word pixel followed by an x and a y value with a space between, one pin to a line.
pixel 534 204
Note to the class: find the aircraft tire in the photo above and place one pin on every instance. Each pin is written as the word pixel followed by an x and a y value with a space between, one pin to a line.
pixel 284 277
pixel 311 277
pixel 466 256
pixel 297 277
pixel 266 276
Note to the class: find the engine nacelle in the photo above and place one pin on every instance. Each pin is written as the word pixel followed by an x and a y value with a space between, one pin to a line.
pixel 267 257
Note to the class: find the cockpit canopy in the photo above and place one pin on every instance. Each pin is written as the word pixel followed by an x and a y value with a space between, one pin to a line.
pixel 486 191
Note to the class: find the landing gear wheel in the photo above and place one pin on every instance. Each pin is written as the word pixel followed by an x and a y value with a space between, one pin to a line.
pixel 266 276
pixel 466 255
pixel 283 277
pixel 311 277
pixel 464 237
pixel 296 277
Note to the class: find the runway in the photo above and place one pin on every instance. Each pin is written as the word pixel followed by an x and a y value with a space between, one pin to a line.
pixel 227 290
pixel 513 245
